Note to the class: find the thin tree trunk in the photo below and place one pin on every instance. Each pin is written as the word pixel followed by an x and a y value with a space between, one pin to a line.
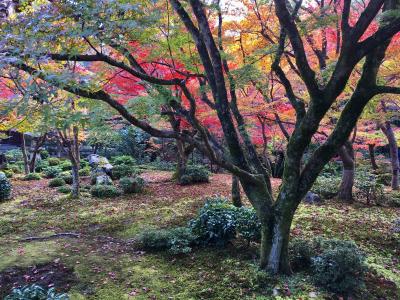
pixel 394 153
pixel 346 153
pixel 25 155
pixel 371 150
pixel 236 197
pixel 75 160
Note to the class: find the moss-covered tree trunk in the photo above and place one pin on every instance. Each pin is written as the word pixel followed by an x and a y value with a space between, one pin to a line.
pixel 236 197
pixel 346 153
pixel 394 153
pixel 25 154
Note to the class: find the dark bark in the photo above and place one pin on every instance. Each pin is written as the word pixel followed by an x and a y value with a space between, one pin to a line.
pixel 346 154
pixel 25 155
pixel 371 151
pixel 236 197
pixel 394 153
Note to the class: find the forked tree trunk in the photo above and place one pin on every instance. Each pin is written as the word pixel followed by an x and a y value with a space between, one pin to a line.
pixel 346 153
pixel 394 153
pixel 25 155
pixel 236 197
pixel 371 150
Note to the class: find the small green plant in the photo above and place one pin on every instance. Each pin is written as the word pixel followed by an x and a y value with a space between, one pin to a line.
pixel 14 155
pixel 104 191
pixel 195 174
pixel 32 176
pixel 176 240
pixel 16 168
pixel 67 176
pixel 368 188
pixel 66 165
pixel 56 182
pixel 35 292
pixel 44 154
pixel 53 161
pixel 5 187
pixel 51 172
pixel 247 224
pixel 326 186
pixel 131 185
pixel 65 189
pixel 300 253
pixel 84 171
pixel 385 179
pixel 215 222
pixel 8 173
pixel 83 163
pixel 41 165
pixel 120 171
pixel 123 160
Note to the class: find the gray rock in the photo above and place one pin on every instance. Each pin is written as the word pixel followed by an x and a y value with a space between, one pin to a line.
pixel 99 162
pixel 104 180
pixel 312 198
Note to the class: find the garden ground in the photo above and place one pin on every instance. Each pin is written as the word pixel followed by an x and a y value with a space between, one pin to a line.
pixel 97 258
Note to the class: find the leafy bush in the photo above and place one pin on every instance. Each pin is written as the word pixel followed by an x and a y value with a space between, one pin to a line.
pixel 32 176
pixel 83 164
pixel 14 155
pixel 247 224
pixel 44 154
pixel 162 165
pixel 393 199
pixel 339 267
pixel 367 186
pixel 56 182
pixel 123 160
pixel 35 292
pixel 385 179
pixel 195 174
pixel 5 187
pixel 84 171
pixel 300 254
pixel 53 161
pixel 120 171
pixel 41 165
pixel 65 189
pixel 51 172
pixel 66 165
pixel 8 173
pixel 176 240
pixel 131 184
pixel 215 222
pixel 326 186
pixel 67 176
pixel 16 168
pixel 104 191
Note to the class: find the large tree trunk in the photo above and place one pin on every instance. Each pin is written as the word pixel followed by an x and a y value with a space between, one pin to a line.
pixel 75 160
pixel 346 153
pixel 371 150
pixel 394 153
pixel 236 198
pixel 25 155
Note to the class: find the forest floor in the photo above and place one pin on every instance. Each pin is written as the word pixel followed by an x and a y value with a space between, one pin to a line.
pixel 98 259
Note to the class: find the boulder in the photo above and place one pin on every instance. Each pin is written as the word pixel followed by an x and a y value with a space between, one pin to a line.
pixel 312 198
pixel 100 162
pixel 103 180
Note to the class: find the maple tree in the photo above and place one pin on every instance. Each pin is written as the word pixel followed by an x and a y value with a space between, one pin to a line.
pixel 184 70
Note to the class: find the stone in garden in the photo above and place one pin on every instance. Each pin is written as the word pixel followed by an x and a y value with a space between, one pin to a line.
pixel 100 162
pixel 312 198
pixel 103 180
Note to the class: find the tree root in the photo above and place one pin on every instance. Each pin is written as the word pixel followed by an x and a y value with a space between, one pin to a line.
pixel 49 237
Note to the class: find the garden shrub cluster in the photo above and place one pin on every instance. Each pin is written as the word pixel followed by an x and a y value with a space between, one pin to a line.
pixel 326 186
pixel 57 182
pixel 123 160
pixel 51 172
pixel 65 189
pixel 131 185
pixel 35 292
pixel 32 176
pixel 195 174
pixel 104 191
pixel 120 171
pixel 5 187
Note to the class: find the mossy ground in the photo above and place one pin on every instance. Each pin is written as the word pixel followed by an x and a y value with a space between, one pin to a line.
pixel 109 266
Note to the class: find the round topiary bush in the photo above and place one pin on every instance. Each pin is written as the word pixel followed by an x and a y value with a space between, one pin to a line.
pixel 65 189
pixel 131 185
pixel 123 160
pixel 195 174
pixel 44 154
pixel 67 176
pixel 32 176
pixel 56 182
pixel 104 191
pixel 84 171
pixel 120 171
pixel 66 165
pixel 51 172
pixel 53 161
pixel 5 187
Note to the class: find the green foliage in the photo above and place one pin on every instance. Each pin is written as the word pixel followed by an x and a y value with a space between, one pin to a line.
pixel 162 165
pixel 84 164
pixel 14 155
pixel 66 176
pixel 123 170
pixel 32 176
pixel 8 173
pixel 300 254
pixel 84 171
pixel 16 168
pixel 123 160
pixel 66 165
pixel 44 154
pixel 247 224
pixel 195 174
pixel 57 182
pixel 131 184
pixel 176 240
pixel 53 161
pixel 104 191
pixel 51 172
pixel 393 199
pixel 41 165
pixel 385 179
pixel 35 292
pixel 215 222
pixel 339 267
pixel 368 187
pixel 65 189
pixel 5 187
pixel 326 186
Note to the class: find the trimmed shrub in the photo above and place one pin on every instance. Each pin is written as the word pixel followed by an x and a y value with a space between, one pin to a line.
pixel 51 172
pixel 32 176
pixel 65 189
pixel 14 155
pixel 83 164
pixel 84 171
pixel 393 199
pixel 35 292
pixel 177 240
pixel 120 171
pixel 5 187
pixel 16 168
pixel 123 160
pixel 66 165
pixel 195 174
pixel 53 161
pixel 56 182
pixel 44 154
pixel 215 222
pixel 104 191
pixel 339 266
pixel 131 185
pixel 67 176
pixel 41 165
pixel 8 173
pixel 326 186
pixel 300 254
pixel 247 224
pixel 385 179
